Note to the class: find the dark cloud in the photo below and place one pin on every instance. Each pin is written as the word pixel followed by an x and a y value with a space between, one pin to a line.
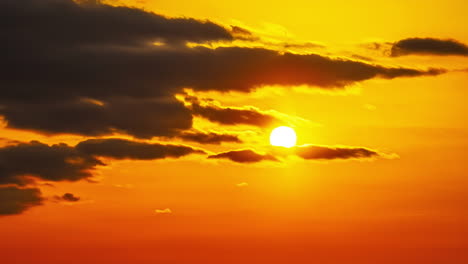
pixel 66 23
pixel 429 46
pixel 308 152
pixel 14 200
pixel 60 56
pixel 24 162
pixel 209 138
pixel 125 149
pixel 140 118
pixel 154 72
pixel 69 197
pixel 233 116
pixel 243 34
pixel 58 162
pixel 327 153
pixel 243 156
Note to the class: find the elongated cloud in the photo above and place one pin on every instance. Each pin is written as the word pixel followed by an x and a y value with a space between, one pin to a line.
pixel 243 156
pixel 429 46
pixel 311 152
pixel 233 116
pixel 14 200
pixel 125 149
pixel 67 23
pixel 143 118
pixel 307 152
pixel 209 138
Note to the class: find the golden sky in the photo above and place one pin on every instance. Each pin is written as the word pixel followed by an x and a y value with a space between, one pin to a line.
pixel 138 132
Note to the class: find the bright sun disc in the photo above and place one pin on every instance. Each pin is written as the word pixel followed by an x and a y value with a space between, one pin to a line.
pixel 283 136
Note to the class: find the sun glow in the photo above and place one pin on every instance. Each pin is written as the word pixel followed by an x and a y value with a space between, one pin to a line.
pixel 283 136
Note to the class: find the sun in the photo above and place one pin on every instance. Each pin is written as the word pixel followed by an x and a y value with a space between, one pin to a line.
pixel 283 136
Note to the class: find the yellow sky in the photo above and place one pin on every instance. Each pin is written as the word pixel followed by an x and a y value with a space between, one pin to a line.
pixel 334 21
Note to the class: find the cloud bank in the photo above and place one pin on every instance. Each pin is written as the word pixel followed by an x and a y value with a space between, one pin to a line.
pixel 61 77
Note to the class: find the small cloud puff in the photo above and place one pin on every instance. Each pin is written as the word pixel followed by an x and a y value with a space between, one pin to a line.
pixel 163 211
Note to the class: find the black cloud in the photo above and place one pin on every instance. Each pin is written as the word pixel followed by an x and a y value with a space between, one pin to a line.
pixel 58 162
pixel 233 116
pixel 429 46
pixel 69 197
pixel 328 153
pixel 141 118
pixel 243 156
pixel 125 149
pixel 14 200
pixel 209 138
pixel 66 23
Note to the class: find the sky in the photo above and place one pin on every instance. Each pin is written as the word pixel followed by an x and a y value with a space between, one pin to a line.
pixel 139 132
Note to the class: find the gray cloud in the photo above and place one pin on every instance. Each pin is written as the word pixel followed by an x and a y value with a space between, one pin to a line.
pixel 310 152
pixel 243 156
pixel 307 152
pixel 58 162
pixel 68 197
pixel 429 46
pixel 209 137
pixel 142 118
pixel 125 149
pixel 14 200
pixel 67 24
pixel 233 116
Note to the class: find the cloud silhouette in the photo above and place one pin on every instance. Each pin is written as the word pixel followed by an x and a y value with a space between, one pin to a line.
pixel 143 118
pixel 113 79
pixel 126 149
pixel 58 162
pixel 68 197
pixel 233 115
pixel 14 200
pixel 429 46
pixel 209 137
pixel 66 23
pixel 243 156
pixel 311 152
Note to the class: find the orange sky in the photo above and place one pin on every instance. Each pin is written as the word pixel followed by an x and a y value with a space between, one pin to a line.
pixel 407 203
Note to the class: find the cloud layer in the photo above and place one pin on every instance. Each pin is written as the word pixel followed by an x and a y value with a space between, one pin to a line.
pixel 61 77
pixel 429 46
